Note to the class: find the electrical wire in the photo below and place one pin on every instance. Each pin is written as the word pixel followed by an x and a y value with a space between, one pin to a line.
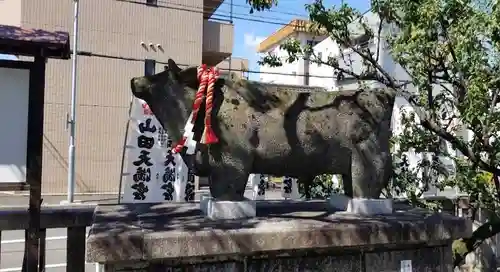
pixel 174 6
pixel 273 11
pixel 301 16
pixel 228 17
pixel 184 8
pixel 91 54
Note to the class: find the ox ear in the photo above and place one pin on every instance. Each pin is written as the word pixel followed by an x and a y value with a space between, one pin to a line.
pixel 189 77
pixel 173 66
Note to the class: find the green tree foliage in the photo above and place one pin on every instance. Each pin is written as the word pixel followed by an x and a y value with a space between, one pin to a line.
pixel 450 52
pixel 261 5
pixel 320 188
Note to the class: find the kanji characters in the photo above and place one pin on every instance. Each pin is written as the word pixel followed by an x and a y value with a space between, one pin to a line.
pixel 287 182
pixel 143 158
pixel 140 190
pixel 189 190
pixel 169 191
pixel 146 126
pixel 145 142
pixel 169 159
pixel 169 175
pixel 142 174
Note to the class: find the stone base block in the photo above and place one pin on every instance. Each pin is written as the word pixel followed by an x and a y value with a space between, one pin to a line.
pixel 286 236
pixel 338 202
pixel 215 209
pixel 370 206
pixel 360 205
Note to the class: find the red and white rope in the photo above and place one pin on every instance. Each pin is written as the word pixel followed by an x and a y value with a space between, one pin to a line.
pixel 207 78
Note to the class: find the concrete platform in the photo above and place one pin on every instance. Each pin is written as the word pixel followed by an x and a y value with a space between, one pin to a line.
pixel 286 235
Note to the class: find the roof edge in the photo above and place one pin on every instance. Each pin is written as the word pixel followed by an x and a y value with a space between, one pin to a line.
pixel 295 25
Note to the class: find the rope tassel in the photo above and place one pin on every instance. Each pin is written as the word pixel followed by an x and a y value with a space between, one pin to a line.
pixel 207 79
pixel 208 136
pixel 198 98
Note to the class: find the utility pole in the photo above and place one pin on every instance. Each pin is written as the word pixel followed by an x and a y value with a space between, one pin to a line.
pixel 72 116
pixel 231 56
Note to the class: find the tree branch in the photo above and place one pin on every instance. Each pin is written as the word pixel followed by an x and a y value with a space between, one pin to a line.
pixel 426 119
pixel 464 246
pixel 379 43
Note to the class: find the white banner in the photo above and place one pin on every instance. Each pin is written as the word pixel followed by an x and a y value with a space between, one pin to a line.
pixel 152 173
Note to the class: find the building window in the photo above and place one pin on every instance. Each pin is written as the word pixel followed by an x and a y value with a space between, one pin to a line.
pixel 320 58
pixel 312 43
pixel 362 42
pixel 149 67
pixel 152 2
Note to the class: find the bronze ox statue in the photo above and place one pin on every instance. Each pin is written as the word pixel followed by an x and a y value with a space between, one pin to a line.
pixel 278 130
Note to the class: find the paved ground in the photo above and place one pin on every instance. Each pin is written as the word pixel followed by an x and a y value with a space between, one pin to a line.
pixel 13 241
pixel 13 247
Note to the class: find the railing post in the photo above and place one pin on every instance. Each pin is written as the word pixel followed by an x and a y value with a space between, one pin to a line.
pixel 41 250
pixel 75 246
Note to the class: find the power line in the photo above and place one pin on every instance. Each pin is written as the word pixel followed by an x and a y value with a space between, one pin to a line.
pixel 239 5
pixel 181 8
pixel 91 54
pixel 219 13
pixel 225 19
pixel 275 11
pixel 302 16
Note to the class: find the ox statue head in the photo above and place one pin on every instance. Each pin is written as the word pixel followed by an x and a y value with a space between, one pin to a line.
pixel 170 96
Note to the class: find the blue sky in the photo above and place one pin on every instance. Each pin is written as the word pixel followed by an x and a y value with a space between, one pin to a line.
pixel 248 34
pixel 7 57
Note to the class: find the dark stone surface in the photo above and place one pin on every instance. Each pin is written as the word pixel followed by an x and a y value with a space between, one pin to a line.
pixel 294 131
pixel 284 234
pixel 423 259
pixel 340 263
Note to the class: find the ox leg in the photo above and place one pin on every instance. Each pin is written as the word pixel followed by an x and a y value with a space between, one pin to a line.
pixel 228 183
pixel 347 184
pixel 369 171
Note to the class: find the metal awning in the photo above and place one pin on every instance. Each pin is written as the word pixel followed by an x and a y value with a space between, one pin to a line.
pixel 32 42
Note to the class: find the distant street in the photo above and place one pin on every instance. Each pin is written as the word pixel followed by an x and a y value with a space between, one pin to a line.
pixel 13 241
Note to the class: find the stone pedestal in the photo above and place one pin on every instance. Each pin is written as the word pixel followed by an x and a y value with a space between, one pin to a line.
pixel 284 236
pixel 363 206
pixel 216 210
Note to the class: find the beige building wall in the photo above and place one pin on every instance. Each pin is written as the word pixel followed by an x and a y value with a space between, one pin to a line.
pixel 239 66
pixel 112 31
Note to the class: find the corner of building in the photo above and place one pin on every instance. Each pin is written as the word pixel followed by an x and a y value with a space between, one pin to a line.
pixel 10 12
